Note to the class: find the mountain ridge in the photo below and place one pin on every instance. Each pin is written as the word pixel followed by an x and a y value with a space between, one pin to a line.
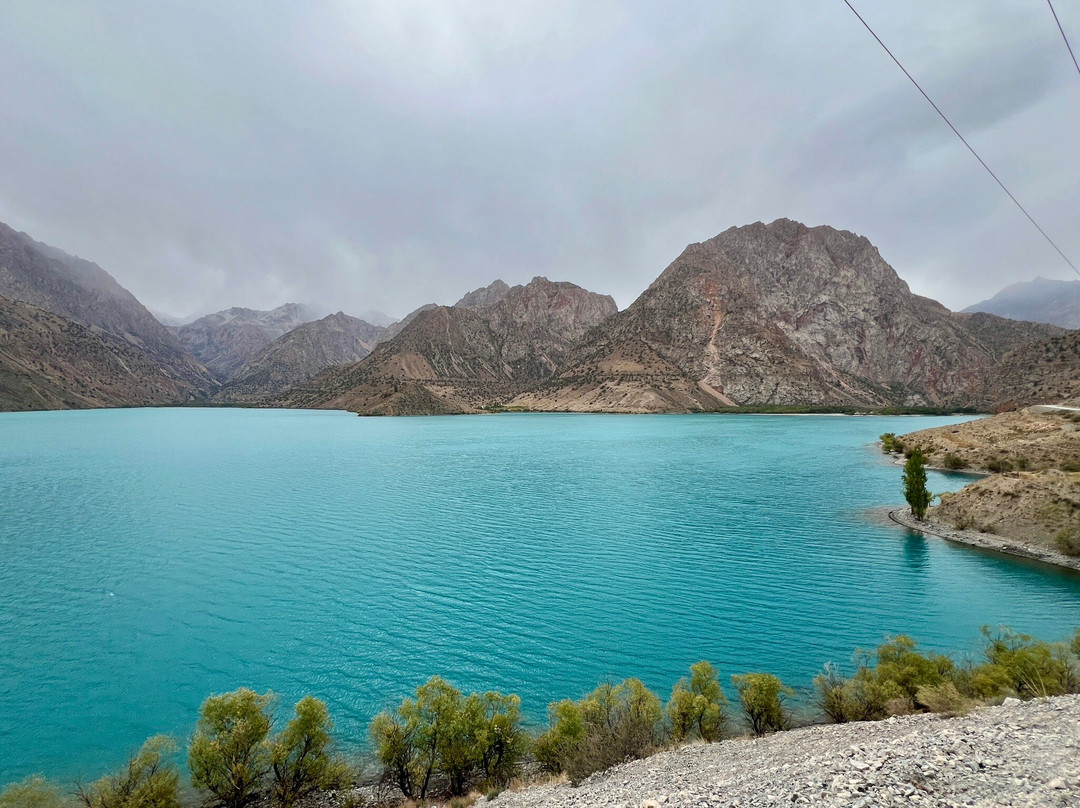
pixel 81 291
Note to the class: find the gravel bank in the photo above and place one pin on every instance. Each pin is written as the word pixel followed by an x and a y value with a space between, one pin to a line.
pixel 988 541
pixel 1016 754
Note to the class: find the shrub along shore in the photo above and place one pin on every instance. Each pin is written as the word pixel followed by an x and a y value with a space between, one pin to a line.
pixel 441 744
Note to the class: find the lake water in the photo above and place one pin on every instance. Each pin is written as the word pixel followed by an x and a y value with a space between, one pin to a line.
pixel 149 558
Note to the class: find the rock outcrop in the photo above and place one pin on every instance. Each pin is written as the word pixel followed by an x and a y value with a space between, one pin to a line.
pixel 781 314
pixel 48 362
pixel 225 340
pixel 300 354
pixel 81 291
pixel 462 359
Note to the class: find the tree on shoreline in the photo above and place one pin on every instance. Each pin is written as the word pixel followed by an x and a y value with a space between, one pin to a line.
pixel 915 491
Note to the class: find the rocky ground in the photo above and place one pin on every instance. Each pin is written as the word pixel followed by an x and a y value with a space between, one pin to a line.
pixel 1022 754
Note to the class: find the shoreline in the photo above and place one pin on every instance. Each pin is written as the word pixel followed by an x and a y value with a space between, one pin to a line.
pixel 985 541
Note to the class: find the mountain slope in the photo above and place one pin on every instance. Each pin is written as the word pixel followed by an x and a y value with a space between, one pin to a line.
pixel 460 359
pixel 79 290
pixel 1045 371
pixel 781 314
pixel 300 354
pixel 225 340
pixel 1040 301
pixel 48 362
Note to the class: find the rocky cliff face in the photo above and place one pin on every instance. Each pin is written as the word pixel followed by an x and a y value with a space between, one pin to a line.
pixel 780 314
pixel 48 362
pixel 459 359
pixel 81 291
pixel 300 354
pixel 225 340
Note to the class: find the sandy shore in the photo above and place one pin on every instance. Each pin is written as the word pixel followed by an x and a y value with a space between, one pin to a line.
pixel 987 541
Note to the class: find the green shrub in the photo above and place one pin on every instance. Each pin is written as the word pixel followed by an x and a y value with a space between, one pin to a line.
pixel 761 696
pixel 458 741
pixel 228 755
pixel 566 730
pixel 890 686
pixel 696 707
pixel 1068 541
pixel 890 443
pixel 900 663
pixel 943 698
pixel 33 792
pixel 503 742
pixel 954 462
pixel 1025 666
pixel 1074 646
pixel 148 780
pixel 301 757
pixel 999 464
pixel 612 724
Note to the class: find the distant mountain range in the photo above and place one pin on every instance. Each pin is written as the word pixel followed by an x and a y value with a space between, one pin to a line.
pixel 777 314
pixel 225 340
pixel 453 359
pixel 1040 301
pixel 299 354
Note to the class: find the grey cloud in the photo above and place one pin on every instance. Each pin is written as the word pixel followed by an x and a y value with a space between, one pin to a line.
pixel 381 155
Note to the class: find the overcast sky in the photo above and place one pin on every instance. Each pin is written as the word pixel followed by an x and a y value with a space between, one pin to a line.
pixel 382 155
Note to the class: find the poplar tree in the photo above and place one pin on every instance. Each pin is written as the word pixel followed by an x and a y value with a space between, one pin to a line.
pixel 915 491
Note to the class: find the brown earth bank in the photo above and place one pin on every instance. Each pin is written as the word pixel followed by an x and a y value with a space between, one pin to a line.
pixel 1015 754
pixel 1029 439
pixel 1031 498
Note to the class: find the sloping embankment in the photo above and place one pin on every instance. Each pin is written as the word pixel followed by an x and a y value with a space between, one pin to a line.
pixel 1015 754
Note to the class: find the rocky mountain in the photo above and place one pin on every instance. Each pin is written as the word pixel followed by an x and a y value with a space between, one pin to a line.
pixel 394 329
pixel 1045 371
pixel 485 295
pixel 48 362
pixel 79 290
pixel 300 354
pixel 460 359
pixel 225 340
pixel 1040 301
pixel 781 314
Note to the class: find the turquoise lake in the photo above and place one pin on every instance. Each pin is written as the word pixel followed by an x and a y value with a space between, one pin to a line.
pixel 151 557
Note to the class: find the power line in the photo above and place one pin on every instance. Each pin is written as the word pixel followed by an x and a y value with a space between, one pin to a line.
pixel 1067 45
pixel 962 139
